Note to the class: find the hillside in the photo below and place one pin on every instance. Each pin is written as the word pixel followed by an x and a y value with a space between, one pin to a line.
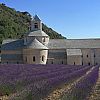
pixel 13 24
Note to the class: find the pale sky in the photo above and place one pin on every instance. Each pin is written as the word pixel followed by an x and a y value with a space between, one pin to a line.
pixel 71 18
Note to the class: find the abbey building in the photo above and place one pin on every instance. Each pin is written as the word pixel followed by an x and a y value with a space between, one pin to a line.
pixel 37 48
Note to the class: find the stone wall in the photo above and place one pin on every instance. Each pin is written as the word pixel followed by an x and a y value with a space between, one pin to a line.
pixel 57 56
pixel 86 56
pixel 97 56
pixel 11 56
pixel 40 56
pixel 74 60
pixel 54 56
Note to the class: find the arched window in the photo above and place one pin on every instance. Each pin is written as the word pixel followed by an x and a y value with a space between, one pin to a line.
pixel 44 39
pixel 43 58
pixel 89 63
pixel 26 40
pixel 96 63
pixel 82 56
pixel 74 63
pixel 87 56
pixel 35 25
pixel 82 63
pixel 34 58
pixel 26 59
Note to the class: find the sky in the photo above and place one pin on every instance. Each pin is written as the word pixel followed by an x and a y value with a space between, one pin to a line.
pixel 73 19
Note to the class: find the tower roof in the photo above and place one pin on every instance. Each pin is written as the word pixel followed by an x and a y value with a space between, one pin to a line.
pixel 35 44
pixel 36 18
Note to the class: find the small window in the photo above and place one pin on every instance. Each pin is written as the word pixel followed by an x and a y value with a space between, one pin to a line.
pixel 87 56
pixel 29 28
pixel 44 39
pixel 96 63
pixel 82 63
pixel 35 25
pixel 33 58
pixel 82 56
pixel 89 63
pixel 26 59
pixel 43 58
pixel 26 39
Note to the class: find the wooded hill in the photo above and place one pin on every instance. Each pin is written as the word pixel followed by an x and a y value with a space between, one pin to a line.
pixel 14 24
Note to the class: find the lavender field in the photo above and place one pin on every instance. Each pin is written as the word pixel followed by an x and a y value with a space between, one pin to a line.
pixel 47 82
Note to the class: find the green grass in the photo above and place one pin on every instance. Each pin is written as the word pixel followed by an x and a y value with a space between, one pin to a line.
pixel 6 89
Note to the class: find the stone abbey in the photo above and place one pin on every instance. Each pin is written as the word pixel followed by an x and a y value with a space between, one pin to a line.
pixel 37 48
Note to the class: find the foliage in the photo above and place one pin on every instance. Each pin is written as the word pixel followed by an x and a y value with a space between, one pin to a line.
pixel 13 24
pixel 52 33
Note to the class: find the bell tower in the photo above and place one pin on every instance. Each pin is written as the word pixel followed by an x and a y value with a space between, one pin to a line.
pixel 36 23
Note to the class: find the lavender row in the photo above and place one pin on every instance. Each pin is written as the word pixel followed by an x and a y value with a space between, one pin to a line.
pixel 53 76
pixel 82 89
pixel 35 69
pixel 10 75
pixel 41 88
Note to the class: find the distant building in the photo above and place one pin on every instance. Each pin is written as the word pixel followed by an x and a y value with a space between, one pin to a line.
pixel 37 48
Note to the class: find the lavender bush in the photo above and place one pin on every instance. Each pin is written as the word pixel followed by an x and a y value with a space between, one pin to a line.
pixel 36 81
pixel 82 88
